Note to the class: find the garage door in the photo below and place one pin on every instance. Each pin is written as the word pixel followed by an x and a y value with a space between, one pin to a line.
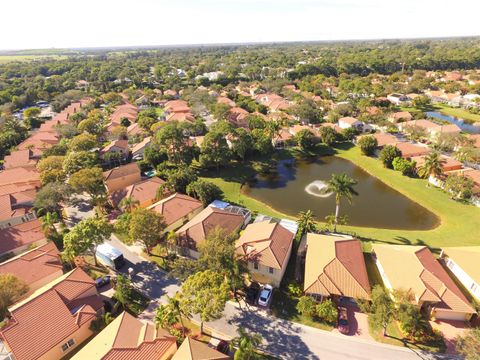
pixel 448 315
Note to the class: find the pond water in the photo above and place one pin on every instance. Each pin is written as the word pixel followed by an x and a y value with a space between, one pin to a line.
pixel 471 128
pixel 298 186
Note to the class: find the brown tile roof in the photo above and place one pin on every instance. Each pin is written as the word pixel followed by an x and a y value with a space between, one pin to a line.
pixel 348 120
pixel 415 268
pixel 180 116
pixel 142 191
pixel 335 266
pixel 129 338
pixel 197 229
pixel 226 100
pixel 46 318
pixel 10 210
pixel 178 106
pixel 401 115
pixel 476 139
pixel 20 235
pixel 409 150
pixel 34 265
pixel 121 171
pixel 265 242
pixel 448 163
pixel 127 110
pixel 19 158
pixel 20 176
pixel 176 207
pixel 196 350
pixel 383 139
pixel 122 144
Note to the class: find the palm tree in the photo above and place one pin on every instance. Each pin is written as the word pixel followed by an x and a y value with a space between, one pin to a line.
pixel 178 311
pixel 171 313
pixel 306 222
pixel 245 344
pixel 48 223
pixel 128 204
pixel 342 186
pixel 432 166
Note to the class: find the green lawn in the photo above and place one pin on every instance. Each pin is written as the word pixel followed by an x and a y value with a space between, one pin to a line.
pixel 10 58
pixel 458 222
pixel 458 112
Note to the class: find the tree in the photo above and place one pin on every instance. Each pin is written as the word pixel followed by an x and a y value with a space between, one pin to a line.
pixel 349 134
pixel 306 306
pixel 342 186
pixel 382 308
pixel 306 223
pixel 48 223
pixel 468 344
pixel 147 227
pixel 432 167
pixel 245 344
pixel 123 290
pixel 328 135
pixel 11 290
pixel 79 160
pixel 171 313
pixel 205 293
pixel 172 140
pixel 305 139
pixel 31 112
pixel 91 125
pixel 51 196
pixel 421 102
pixel 86 236
pixel 214 151
pixel 262 142
pixel 83 142
pixel 51 169
pixel 178 179
pixel 411 320
pixel 128 203
pixel 220 111
pixel 242 144
pixel 415 132
pixel 90 181
pixel 327 310
pixel 459 187
pixel 388 154
pixel 204 191
pixel 368 144
pixel 404 166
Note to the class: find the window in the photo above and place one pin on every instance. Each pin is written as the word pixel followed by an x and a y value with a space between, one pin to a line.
pixel 68 345
pixel 255 265
pixel 270 270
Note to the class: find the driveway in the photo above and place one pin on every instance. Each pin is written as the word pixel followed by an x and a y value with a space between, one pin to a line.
pixel 358 323
pixel 78 210
pixel 450 330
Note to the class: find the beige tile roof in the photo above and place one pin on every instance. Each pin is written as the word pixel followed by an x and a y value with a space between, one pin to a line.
pixel 415 268
pixel 335 266
pixel 468 258
pixel 195 350
pixel 127 337
pixel 265 242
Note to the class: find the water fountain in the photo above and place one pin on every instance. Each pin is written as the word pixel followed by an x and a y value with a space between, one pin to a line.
pixel 318 188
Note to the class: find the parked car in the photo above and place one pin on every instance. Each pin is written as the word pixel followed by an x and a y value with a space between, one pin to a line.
pixel 252 293
pixel 343 325
pixel 265 295
pixel 102 281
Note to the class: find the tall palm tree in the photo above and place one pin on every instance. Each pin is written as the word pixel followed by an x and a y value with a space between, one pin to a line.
pixel 48 223
pixel 246 345
pixel 178 311
pixel 342 186
pixel 306 222
pixel 432 166
pixel 128 204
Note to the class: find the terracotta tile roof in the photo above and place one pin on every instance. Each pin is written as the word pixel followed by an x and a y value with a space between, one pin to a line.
pixel 335 127
pixel 19 158
pixel 448 163
pixel 422 274
pixel 34 265
pixel 142 191
pixel 10 210
pixel 142 144
pixel 226 100
pixel 127 110
pixel 39 140
pixel 383 139
pixel 135 129
pixel 180 116
pixel 348 120
pixel 197 229
pixel 401 115
pixel 20 235
pixel 409 150
pixel 129 338
pixel 176 207
pixel 177 106
pixel 195 350
pixel 20 176
pixel 335 266
pixel 476 139
pixel 266 243
pixel 46 319
pixel 122 144
pixel 121 171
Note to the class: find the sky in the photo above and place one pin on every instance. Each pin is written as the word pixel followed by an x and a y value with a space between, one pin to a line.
pixel 34 24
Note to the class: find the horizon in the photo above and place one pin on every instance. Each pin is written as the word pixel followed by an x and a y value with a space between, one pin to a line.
pixel 114 24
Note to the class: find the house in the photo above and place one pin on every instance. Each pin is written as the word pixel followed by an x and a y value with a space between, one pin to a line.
pixel 398 99
pixel 350 122
pixel 335 127
pixel 119 147
pixel 229 219
pixel 16 208
pixel 335 266
pixel 283 139
pixel 431 129
pixel 176 106
pixel 226 100
pixel 448 163
pixel 266 246
pixel 135 130
pixel 238 117
pixel 463 263
pixel 383 139
pixel 121 177
pixel 410 150
pixel 124 111
pixel 20 176
pixel 138 150
pixel 144 192
pixel 20 158
pixel 18 238
pixel 192 349
pixel 274 102
pixel 415 269
pixel 54 320
pixel 181 117
pixel 177 209
pixel 400 116
pixel 127 337
pixel 36 267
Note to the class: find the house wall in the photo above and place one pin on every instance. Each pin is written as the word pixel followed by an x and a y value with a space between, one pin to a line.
pixel 122 182
pixel 177 224
pixel 79 336
pixel 464 278
pixel 263 275
pixel 449 315
pixel 384 277
pixel 17 220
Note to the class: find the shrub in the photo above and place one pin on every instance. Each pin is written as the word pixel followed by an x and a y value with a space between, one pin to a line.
pixel 404 166
pixel 306 306
pixel 368 145
pixel 327 311
pixel 388 154
pixel 295 290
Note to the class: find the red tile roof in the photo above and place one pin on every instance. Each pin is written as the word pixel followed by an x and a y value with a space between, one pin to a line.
pixel 142 191
pixel 19 158
pixel 176 207
pixel 20 235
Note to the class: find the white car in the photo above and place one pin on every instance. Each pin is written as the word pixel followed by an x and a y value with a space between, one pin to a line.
pixel 265 295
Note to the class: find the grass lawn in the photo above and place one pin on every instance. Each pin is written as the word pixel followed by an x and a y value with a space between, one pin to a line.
pixel 458 222
pixel 10 58
pixel 458 113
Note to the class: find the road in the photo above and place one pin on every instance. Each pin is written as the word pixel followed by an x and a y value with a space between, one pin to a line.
pixel 282 338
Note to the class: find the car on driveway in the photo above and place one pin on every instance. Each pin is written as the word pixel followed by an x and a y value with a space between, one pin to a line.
pixel 265 295
pixel 102 281
pixel 252 293
pixel 343 325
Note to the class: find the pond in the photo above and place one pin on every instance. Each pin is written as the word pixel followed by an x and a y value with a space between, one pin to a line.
pixel 471 128
pixel 298 187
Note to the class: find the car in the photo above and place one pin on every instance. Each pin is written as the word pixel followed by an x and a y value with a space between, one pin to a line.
pixel 342 324
pixel 265 295
pixel 252 293
pixel 102 281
